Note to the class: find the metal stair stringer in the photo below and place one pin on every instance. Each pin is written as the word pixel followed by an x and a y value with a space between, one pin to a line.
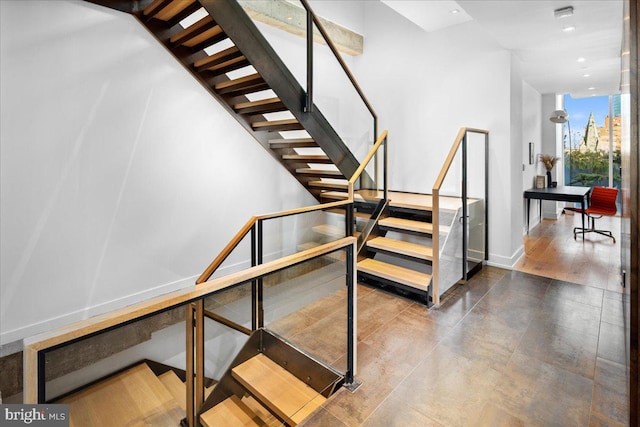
pixel 244 34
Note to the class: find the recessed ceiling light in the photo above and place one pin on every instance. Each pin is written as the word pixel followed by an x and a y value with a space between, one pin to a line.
pixel 581 59
pixel 586 75
pixel 591 88
pixel 563 12
pixel 289 18
pixel 454 11
pixel 568 29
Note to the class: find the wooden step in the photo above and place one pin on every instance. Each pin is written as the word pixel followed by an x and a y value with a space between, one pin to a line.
pixel 242 85
pixel 407 225
pixel 263 106
pixel 320 172
pixel 166 10
pixel 277 125
pixel 308 158
pixel 231 412
pixel 133 397
pixel 394 273
pixel 338 195
pixel 176 387
pixel 330 230
pixel 329 184
pixel 401 247
pixel 273 386
pixel 196 33
pixel 292 143
pixel 222 62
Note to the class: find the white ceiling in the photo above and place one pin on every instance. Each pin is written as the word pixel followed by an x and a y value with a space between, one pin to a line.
pixel 529 29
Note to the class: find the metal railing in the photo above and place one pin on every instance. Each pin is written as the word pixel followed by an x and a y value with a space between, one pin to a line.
pixel 460 142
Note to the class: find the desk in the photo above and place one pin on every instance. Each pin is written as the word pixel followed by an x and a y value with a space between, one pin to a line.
pixel 559 194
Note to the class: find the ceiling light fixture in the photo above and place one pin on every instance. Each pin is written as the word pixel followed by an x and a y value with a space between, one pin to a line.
pixel 586 75
pixel 454 11
pixel 564 12
pixel 591 88
pixel 581 59
pixel 568 29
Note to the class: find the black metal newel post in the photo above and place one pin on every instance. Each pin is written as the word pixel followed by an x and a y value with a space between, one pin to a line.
pixel 309 101
pixel 464 207
pixel 350 318
pixel 254 283
pixel 260 261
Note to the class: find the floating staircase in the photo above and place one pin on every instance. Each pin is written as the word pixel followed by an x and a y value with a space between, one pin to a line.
pixel 218 43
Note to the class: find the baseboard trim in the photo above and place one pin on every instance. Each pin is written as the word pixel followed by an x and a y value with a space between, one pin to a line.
pixel 506 262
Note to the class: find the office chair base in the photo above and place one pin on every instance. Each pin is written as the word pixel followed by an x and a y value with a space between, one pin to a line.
pixel 580 230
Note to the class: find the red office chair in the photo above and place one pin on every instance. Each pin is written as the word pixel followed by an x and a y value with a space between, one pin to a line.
pixel 603 202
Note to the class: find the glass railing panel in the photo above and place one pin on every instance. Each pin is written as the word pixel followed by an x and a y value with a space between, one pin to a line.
pixel 306 305
pixel 294 233
pixel 222 342
pixel 142 362
pixel 339 101
pixel 284 26
pixel 450 226
pixel 476 203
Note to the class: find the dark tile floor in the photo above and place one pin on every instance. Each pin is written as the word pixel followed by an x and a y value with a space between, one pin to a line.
pixel 507 349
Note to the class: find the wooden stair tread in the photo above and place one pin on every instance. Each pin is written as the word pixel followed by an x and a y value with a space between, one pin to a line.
pixel 176 387
pixel 133 397
pixel 402 275
pixel 196 33
pixel 268 105
pixel 308 158
pixel 406 224
pixel 338 195
pixel 166 10
pixel 282 392
pixel 292 143
pixel 329 184
pixel 401 247
pixel 231 412
pixel 276 125
pixel 246 84
pixel 329 230
pixel 219 59
pixel 319 172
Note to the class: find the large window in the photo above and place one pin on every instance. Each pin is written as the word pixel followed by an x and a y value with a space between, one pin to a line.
pixel 592 141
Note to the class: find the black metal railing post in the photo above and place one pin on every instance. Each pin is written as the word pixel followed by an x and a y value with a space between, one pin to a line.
pixel 464 207
pixel 260 254
pixel 349 376
pixel 309 101
pixel 384 171
pixel 254 283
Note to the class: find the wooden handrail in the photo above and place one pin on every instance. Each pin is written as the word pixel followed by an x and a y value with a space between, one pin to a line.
pixel 367 159
pixel 241 234
pixel 336 53
pixel 454 148
pixel 126 315
pixel 161 303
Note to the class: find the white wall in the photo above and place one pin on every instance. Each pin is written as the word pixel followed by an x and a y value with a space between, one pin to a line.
pixel 121 177
pixel 531 132
pixel 425 87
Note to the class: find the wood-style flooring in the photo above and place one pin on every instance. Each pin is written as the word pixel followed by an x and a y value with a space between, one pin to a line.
pixel 551 251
